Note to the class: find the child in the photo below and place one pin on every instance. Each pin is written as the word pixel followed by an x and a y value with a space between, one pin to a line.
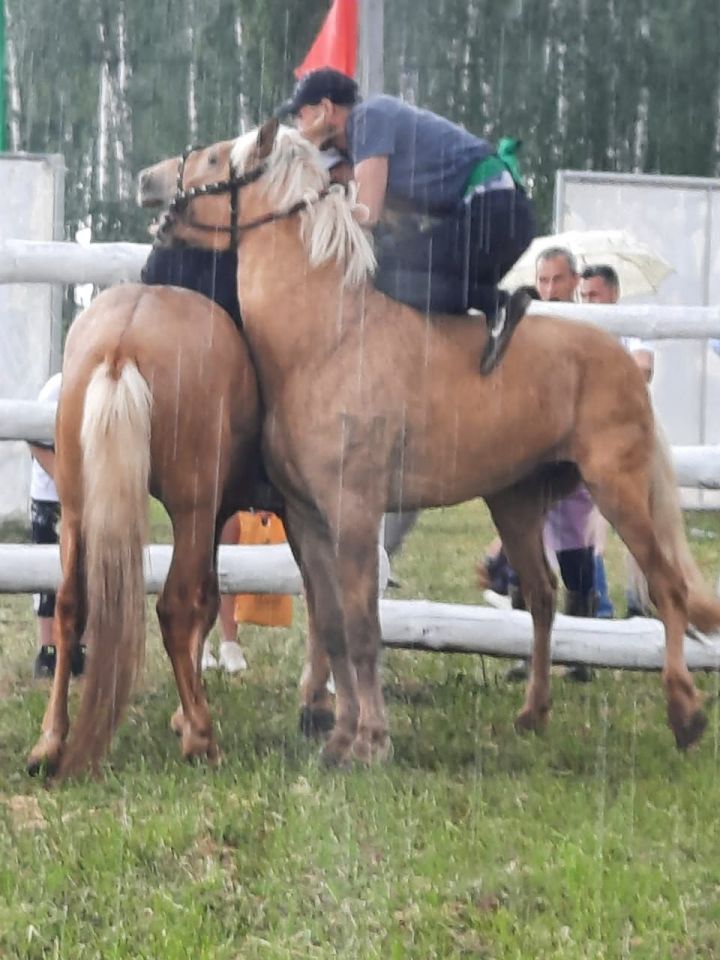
pixel 265 610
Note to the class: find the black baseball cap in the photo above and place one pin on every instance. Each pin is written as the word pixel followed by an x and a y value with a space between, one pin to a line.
pixel 325 83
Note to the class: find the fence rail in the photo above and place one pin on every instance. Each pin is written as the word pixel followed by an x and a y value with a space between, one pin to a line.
pixel 636 644
pixel 696 466
pixel 34 261
pixel 30 261
pixel 30 568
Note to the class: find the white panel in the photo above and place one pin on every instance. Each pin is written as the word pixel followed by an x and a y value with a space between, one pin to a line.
pixel 680 218
pixel 32 190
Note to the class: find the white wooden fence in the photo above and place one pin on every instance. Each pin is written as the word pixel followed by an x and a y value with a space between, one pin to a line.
pixel 634 644
pixel 30 261
pixel 695 466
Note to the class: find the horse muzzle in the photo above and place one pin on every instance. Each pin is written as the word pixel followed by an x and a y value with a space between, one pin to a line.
pixel 157 184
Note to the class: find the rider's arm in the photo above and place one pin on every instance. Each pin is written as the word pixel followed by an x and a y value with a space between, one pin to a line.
pixel 372 176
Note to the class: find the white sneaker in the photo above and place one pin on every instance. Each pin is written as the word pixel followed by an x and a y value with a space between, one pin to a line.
pixel 208 661
pixel 231 658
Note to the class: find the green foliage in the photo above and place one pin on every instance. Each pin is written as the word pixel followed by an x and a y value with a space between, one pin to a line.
pixel 233 59
pixel 600 85
pixel 628 86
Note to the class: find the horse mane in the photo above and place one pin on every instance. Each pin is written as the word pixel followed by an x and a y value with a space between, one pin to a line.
pixel 329 230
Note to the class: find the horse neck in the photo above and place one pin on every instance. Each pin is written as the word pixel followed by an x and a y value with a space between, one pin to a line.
pixel 290 309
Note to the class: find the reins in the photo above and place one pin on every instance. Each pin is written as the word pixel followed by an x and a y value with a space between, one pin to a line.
pixel 178 209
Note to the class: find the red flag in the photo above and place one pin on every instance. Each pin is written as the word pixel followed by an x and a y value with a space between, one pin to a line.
pixel 336 44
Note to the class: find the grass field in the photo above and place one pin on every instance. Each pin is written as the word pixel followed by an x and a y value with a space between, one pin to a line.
pixel 596 840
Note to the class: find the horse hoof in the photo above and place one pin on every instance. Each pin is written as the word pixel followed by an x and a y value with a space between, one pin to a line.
pixel 370 751
pixel 205 755
pixel 530 721
pixel 177 722
pixel 315 723
pixel 337 752
pixel 690 731
pixel 199 748
pixel 39 766
pixel 44 759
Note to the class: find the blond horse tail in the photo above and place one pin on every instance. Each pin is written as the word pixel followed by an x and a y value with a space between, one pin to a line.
pixel 703 605
pixel 115 443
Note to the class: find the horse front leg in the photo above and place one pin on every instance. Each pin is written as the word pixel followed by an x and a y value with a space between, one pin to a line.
pixel 317 709
pixel 356 536
pixel 327 648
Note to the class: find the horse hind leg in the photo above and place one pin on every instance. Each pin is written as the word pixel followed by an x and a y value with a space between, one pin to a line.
pixel 518 515
pixel 624 500
pixel 187 609
pixel 67 629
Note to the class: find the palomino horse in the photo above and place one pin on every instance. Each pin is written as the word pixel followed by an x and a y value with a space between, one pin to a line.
pixel 158 393
pixel 371 406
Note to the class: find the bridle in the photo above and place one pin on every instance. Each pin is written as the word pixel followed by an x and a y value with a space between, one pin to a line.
pixel 178 210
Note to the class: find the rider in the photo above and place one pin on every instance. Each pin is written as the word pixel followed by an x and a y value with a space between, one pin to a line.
pixel 455 216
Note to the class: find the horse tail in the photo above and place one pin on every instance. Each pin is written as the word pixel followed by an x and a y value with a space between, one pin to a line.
pixel 703 605
pixel 115 450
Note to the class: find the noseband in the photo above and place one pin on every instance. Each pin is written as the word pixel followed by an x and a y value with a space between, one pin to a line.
pixel 179 208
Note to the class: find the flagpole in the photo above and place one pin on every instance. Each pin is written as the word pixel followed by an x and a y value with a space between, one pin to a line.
pixel 371 73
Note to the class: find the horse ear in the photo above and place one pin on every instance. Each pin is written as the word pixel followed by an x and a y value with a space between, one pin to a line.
pixel 266 137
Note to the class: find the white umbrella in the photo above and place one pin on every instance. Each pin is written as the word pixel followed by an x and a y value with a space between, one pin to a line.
pixel 639 268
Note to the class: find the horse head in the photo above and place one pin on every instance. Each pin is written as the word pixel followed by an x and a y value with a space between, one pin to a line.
pixel 193 188
pixel 269 175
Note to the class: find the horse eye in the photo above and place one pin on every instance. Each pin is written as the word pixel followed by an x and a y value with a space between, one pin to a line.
pixel 212 161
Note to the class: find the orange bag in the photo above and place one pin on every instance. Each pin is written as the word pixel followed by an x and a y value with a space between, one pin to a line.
pixel 263 609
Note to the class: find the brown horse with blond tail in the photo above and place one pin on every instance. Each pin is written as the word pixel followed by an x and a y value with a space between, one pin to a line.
pixel 158 393
pixel 371 406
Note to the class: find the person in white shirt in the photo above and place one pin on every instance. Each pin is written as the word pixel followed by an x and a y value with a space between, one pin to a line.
pixel 44 519
pixel 599 284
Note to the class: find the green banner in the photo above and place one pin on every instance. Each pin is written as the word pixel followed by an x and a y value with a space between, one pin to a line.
pixel 2 74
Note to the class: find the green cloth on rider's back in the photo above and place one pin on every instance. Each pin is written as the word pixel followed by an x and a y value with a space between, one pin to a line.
pixel 505 158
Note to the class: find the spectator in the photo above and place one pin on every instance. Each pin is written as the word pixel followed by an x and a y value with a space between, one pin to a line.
pixel 230 657
pixel 44 519
pixel 267 610
pixel 599 284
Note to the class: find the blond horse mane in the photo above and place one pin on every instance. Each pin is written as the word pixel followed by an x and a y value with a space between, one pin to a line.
pixel 329 230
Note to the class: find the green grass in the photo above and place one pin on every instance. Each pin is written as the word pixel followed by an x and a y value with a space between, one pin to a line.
pixel 597 840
